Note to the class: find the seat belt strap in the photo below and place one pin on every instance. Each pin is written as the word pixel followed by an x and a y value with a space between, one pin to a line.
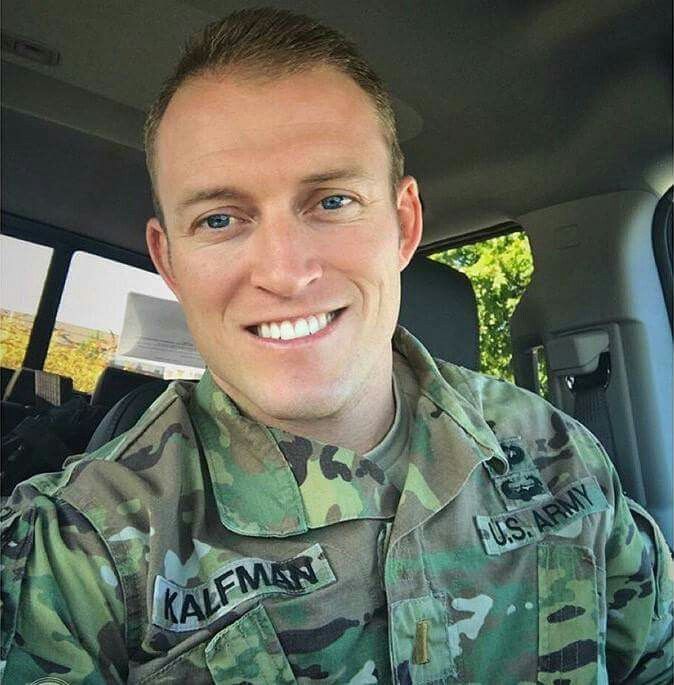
pixel 47 388
pixel 590 405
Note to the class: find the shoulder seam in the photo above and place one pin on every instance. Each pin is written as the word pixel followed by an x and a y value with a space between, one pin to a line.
pixel 134 434
pixel 117 454
pixel 141 430
pixel 474 399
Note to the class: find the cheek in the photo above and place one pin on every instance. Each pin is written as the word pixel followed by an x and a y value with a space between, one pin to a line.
pixel 204 281
pixel 371 263
pixel 377 263
pixel 369 250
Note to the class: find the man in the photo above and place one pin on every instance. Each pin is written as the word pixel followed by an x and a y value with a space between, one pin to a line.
pixel 324 506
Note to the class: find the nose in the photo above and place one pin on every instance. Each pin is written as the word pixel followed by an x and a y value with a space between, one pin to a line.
pixel 285 260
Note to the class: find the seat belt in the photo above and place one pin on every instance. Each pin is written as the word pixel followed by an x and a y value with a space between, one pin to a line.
pixel 37 388
pixel 584 361
pixel 590 405
pixel 48 389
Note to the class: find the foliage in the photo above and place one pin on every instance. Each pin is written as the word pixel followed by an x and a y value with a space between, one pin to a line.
pixel 14 333
pixel 500 269
pixel 81 359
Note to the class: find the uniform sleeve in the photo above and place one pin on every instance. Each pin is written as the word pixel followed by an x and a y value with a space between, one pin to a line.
pixel 638 596
pixel 63 609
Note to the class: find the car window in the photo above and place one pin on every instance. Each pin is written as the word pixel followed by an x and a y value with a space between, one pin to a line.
pixel 91 314
pixel 500 269
pixel 24 269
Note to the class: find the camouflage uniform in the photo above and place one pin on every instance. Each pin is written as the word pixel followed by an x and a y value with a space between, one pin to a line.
pixel 203 547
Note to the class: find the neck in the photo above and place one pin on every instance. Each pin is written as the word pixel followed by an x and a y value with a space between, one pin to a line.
pixel 359 425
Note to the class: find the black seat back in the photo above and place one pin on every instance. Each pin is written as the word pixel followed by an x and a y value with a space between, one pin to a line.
pixel 126 412
pixel 41 389
pixel 114 383
pixel 438 306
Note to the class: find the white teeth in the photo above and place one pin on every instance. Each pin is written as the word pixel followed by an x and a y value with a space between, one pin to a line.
pixel 285 330
pixel 301 328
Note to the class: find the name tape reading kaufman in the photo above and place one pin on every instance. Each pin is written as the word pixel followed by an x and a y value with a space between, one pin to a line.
pixel 178 608
pixel 513 529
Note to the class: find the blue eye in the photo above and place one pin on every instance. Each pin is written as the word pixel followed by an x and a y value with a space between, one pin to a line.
pixel 335 201
pixel 218 220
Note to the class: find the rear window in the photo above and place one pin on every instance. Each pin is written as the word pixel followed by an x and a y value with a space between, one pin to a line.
pixel 24 267
pixel 500 269
pixel 91 314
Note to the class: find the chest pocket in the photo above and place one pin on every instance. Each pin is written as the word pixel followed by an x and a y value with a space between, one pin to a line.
pixel 246 651
pixel 420 640
pixel 568 616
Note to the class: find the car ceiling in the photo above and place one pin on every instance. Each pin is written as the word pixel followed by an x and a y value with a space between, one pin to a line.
pixel 503 107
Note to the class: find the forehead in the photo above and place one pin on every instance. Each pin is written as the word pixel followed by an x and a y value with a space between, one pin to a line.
pixel 315 117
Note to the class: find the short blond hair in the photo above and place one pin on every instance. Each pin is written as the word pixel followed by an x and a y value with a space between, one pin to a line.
pixel 271 42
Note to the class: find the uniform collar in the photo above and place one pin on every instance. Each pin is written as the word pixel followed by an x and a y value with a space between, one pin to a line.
pixel 447 398
pixel 272 484
pixel 254 488
pixel 450 439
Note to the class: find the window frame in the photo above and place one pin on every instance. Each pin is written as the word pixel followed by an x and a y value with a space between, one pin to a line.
pixel 64 244
pixel 468 238
pixel 662 248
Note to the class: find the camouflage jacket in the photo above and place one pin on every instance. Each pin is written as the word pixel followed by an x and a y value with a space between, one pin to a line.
pixel 202 547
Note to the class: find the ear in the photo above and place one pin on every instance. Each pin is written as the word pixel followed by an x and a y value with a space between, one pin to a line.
pixel 410 216
pixel 160 252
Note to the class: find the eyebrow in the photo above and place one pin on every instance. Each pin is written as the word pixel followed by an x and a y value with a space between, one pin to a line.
pixel 348 173
pixel 223 193
pixel 219 193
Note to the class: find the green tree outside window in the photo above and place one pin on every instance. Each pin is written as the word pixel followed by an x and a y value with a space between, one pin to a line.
pixel 500 269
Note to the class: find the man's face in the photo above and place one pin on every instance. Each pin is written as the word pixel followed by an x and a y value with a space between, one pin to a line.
pixel 283 240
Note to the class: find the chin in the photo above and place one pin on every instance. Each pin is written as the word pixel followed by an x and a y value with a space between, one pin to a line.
pixel 285 397
pixel 301 406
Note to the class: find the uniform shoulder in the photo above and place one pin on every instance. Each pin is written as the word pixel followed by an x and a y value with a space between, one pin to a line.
pixel 52 485
pixel 44 539
pixel 490 392
pixel 514 413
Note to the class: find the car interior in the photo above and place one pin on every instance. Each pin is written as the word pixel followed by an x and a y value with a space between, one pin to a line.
pixel 550 118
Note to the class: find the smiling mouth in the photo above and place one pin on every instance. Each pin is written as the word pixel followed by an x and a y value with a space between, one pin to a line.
pixel 301 327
